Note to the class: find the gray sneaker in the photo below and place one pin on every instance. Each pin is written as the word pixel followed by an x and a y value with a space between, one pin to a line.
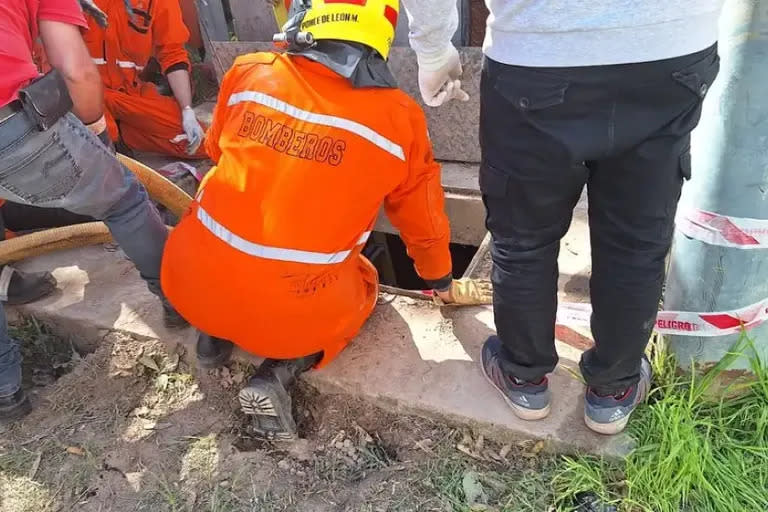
pixel 609 414
pixel 529 401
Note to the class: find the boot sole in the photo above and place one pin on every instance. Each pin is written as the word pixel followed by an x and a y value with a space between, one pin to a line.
pixel 269 404
pixel 521 412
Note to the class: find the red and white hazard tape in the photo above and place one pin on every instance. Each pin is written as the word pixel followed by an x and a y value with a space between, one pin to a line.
pixel 716 229
pixel 682 323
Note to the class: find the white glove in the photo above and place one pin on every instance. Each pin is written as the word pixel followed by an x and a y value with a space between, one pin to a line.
pixel 439 77
pixel 192 130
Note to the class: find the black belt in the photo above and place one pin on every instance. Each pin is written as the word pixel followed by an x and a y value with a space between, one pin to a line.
pixel 14 124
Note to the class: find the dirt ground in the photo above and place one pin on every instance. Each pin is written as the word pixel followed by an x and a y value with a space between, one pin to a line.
pixel 131 427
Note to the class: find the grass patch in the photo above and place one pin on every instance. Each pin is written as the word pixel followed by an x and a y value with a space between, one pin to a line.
pixel 699 447
pixel 45 356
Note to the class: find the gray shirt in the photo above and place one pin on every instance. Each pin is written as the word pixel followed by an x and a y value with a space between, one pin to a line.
pixel 561 33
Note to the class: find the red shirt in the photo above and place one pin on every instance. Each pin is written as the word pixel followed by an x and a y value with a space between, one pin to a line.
pixel 18 32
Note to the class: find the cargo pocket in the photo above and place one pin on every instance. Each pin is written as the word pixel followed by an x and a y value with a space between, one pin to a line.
pixel 699 77
pixel 530 91
pixel 493 182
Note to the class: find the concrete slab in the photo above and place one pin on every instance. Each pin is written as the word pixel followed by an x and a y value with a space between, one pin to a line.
pixel 410 356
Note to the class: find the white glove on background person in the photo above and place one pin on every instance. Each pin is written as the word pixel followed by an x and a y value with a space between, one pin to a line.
pixel 439 77
pixel 192 130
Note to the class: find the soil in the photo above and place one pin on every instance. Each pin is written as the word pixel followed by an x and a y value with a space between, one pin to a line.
pixel 131 428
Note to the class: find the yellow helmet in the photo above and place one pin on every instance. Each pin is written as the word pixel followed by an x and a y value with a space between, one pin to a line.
pixel 368 22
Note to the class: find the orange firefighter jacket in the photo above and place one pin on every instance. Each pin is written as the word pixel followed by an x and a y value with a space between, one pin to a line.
pixel 148 120
pixel 268 255
pixel 122 49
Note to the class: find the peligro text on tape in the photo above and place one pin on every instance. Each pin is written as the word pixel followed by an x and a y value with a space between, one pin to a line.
pixel 682 323
pixel 722 230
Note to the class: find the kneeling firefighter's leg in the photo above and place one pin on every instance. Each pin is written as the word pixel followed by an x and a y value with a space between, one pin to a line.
pixel 213 352
pixel 17 287
pixel 267 398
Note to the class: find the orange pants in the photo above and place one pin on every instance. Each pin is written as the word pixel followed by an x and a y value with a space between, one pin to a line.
pixel 273 309
pixel 147 121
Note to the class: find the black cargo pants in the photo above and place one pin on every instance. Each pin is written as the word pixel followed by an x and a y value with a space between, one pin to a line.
pixel 624 132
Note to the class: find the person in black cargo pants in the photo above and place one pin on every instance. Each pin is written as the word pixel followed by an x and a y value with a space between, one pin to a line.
pixel 623 131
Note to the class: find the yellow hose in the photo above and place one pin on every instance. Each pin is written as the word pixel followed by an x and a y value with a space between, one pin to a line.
pixel 159 188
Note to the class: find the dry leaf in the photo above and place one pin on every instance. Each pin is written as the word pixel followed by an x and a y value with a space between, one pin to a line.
pixel 474 494
pixel 35 466
pixel 505 451
pixel 162 382
pixel 538 447
pixel 171 364
pixel 424 445
pixel 149 363
pixel 468 451
pixel 76 450
pixel 480 443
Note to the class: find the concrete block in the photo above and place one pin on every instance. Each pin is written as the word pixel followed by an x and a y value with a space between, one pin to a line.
pixel 465 212
pixel 253 21
pixel 453 127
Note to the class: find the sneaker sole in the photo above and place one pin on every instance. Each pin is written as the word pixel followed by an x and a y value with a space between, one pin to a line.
pixel 263 402
pixel 521 412
pixel 607 429
pixel 616 427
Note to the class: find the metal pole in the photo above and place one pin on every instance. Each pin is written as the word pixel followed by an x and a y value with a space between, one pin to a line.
pixel 730 177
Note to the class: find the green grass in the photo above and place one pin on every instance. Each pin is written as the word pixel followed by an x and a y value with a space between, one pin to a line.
pixel 699 447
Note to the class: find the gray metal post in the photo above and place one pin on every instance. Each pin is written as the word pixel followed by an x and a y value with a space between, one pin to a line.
pixel 730 177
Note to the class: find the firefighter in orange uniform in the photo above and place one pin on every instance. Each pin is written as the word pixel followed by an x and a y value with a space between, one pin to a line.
pixel 308 146
pixel 136 112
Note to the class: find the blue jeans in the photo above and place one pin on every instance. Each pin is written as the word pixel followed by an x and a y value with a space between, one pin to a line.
pixel 68 167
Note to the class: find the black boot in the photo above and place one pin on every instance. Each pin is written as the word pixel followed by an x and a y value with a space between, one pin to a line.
pixel 17 287
pixel 14 407
pixel 213 352
pixel 171 318
pixel 267 400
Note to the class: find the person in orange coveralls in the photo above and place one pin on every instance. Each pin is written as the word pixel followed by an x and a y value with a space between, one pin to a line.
pixel 308 145
pixel 136 112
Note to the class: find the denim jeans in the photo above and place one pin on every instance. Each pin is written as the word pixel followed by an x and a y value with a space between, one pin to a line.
pixel 68 167
pixel 623 131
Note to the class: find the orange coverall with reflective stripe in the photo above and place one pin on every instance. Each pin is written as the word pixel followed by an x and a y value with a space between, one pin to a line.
pixel 148 121
pixel 268 255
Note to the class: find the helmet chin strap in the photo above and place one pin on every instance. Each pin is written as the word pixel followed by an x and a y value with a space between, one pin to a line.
pixel 362 66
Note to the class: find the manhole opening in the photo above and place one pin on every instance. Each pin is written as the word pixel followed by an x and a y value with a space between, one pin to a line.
pixel 388 254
